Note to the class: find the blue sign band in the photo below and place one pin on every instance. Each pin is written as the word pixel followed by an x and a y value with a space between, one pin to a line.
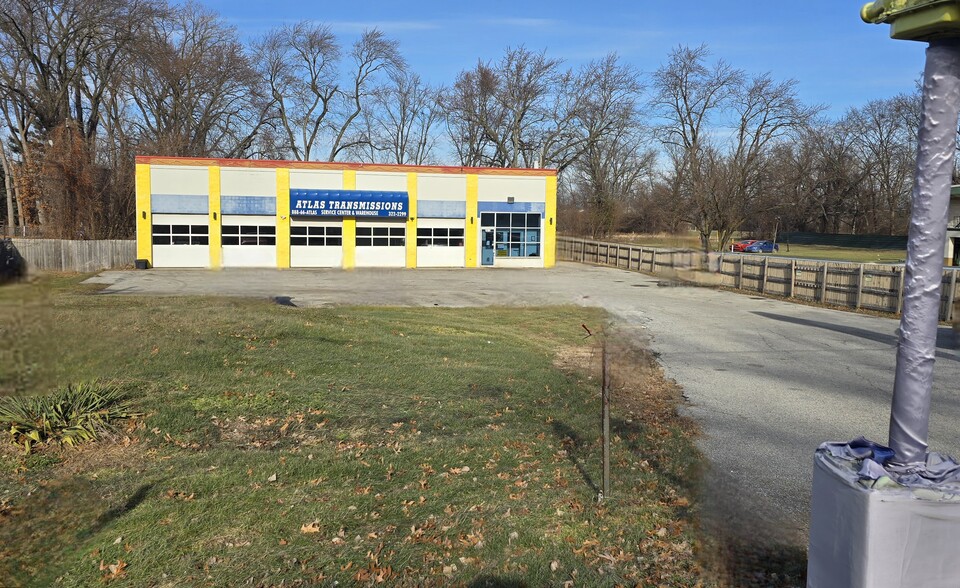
pixel 349 203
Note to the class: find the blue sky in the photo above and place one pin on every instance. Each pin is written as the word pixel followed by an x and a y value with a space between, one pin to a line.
pixel 836 59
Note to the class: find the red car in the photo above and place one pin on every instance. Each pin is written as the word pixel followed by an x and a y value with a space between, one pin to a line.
pixel 741 245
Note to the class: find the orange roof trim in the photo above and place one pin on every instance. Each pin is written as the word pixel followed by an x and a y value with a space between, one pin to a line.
pixel 334 165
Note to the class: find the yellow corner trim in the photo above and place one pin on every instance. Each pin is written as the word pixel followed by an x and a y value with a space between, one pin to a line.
pixel 412 221
pixel 214 220
pixel 144 216
pixel 283 218
pixel 472 239
pixel 550 224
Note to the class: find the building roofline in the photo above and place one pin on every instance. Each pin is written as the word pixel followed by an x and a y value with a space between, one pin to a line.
pixel 337 165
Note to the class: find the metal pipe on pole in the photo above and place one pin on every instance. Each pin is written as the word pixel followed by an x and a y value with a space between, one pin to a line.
pixel 916 351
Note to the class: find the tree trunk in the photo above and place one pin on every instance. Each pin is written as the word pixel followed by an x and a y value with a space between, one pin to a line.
pixel 8 186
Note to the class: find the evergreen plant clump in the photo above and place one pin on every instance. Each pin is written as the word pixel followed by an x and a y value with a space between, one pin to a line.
pixel 70 416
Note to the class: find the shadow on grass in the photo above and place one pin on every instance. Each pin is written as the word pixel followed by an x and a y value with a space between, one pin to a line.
pixel 574 445
pixel 496 582
pixel 745 562
pixel 748 540
pixel 115 513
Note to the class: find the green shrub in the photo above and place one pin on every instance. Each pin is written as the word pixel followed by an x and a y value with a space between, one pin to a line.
pixel 69 416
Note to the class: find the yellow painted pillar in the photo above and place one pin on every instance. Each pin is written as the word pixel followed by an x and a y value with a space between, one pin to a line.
pixel 144 216
pixel 214 221
pixel 349 225
pixel 550 224
pixel 412 221
pixel 472 233
pixel 283 218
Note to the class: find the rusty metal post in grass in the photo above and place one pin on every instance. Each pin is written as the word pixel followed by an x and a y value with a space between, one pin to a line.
pixel 605 420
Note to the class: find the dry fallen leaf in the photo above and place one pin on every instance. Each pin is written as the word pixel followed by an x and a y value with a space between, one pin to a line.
pixel 272 478
pixel 114 571
pixel 313 527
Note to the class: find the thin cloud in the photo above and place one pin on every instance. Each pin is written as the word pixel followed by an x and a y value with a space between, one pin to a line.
pixel 384 25
pixel 538 23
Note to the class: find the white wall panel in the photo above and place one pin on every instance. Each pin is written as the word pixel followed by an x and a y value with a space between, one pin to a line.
pixel 381 256
pixel 382 181
pixel 248 182
pixel 181 256
pixel 316 179
pixel 179 219
pixel 441 187
pixel 316 256
pixel 179 179
pixel 249 256
pixel 521 188
pixel 517 262
pixel 954 209
pixel 248 219
pixel 441 256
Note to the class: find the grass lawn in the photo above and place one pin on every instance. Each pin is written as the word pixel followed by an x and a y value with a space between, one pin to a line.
pixel 354 445
pixel 843 253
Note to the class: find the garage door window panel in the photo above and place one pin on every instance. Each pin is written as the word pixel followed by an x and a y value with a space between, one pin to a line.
pixel 180 235
pixel 319 236
pixel 439 237
pixel 248 235
pixel 381 236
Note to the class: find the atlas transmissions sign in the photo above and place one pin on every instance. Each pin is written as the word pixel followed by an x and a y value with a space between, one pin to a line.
pixel 356 203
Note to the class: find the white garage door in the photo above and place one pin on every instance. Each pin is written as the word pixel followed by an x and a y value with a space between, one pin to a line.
pixel 440 242
pixel 316 243
pixel 249 241
pixel 180 240
pixel 381 244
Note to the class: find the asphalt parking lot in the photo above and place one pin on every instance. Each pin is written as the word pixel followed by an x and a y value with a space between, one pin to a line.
pixel 768 379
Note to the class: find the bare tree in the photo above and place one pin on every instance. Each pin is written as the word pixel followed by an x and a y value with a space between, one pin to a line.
pixel 610 175
pixel 613 161
pixel 885 143
pixel 520 112
pixel 316 102
pixel 373 54
pixel 194 90
pixel 689 95
pixel 719 182
pixel 299 63
pixel 402 120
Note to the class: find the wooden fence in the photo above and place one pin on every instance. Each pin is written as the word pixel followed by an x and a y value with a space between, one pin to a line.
pixel 76 256
pixel 853 285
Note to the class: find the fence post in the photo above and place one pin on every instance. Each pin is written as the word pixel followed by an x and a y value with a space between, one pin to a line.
pixel 859 287
pixel 951 296
pixel 902 277
pixel 823 283
pixel 793 277
pixel 740 273
pixel 763 278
